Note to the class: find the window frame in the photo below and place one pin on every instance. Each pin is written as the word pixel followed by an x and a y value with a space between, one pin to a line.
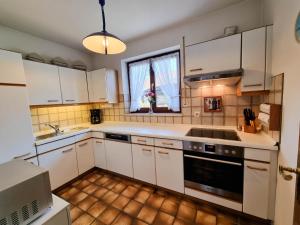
pixel 152 81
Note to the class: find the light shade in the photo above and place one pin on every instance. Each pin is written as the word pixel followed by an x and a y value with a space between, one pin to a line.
pixel 104 43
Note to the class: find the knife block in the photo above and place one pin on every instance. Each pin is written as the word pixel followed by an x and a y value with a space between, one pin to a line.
pixel 249 129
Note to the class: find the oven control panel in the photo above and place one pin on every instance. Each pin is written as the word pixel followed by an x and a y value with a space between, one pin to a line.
pixel 216 149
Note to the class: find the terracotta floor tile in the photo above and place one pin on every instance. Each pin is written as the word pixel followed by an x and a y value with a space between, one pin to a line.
pixel 84 219
pixel 118 188
pixel 142 196
pixel 110 184
pixel 120 202
pixel 189 203
pixel 130 191
pixel 82 184
pixel 93 177
pixel 133 208
pixel 226 219
pixel 100 192
pixel 87 203
pixel 169 207
pixel 97 222
pixel 182 222
pixel 108 216
pixel 138 222
pixel 123 219
pixel 204 218
pixel 164 218
pixel 69 193
pixel 75 199
pixel 109 197
pixel 102 180
pixel 147 214
pixel 90 189
pixel 148 188
pixel 186 213
pixel 155 201
pixel 75 213
pixel 96 209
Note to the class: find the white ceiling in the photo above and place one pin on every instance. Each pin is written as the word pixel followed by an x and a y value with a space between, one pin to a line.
pixel 69 21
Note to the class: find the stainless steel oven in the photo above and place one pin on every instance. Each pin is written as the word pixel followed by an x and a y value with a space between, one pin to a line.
pixel 216 169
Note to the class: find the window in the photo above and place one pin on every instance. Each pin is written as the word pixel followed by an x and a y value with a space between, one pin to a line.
pixel 158 75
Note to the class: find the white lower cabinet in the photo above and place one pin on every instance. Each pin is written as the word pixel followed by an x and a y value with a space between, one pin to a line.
pixel 169 169
pixel 256 188
pixel 143 158
pixel 119 157
pixel 85 155
pixel 62 165
pixel 33 160
pixel 100 153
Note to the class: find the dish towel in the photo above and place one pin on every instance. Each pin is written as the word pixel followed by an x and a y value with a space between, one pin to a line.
pixel 265 108
pixel 264 117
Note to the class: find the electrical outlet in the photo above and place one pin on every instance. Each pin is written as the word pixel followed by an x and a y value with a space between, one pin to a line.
pixel 196 114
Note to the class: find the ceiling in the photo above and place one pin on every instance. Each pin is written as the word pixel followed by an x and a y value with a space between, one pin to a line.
pixel 69 21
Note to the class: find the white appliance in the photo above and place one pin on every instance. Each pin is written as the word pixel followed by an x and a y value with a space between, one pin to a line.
pixel 25 192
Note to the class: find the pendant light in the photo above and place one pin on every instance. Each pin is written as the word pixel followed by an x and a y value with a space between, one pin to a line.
pixel 104 42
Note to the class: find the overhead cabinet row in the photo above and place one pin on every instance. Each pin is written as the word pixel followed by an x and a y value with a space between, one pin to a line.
pixel 250 50
pixel 50 85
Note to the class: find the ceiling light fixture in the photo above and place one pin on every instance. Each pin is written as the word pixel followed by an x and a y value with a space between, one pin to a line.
pixel 104 42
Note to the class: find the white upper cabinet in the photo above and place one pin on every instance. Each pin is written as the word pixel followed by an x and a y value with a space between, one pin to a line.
pixel 103 86
pixel 43 83
pixel 211 56
pixel 73 85
pixel 254 60
pixel 268 81
pixel 12 71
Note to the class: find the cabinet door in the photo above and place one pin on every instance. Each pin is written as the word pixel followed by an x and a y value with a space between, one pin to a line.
pixel 97 85
pixel 253 60
pixel 168 163
pixel 211 56
pixel 11 65
pixel 112 86
pixel 85 155
pixel 143 158
pixel 256 189
pixel 62 165
pixel 100 153
pixel 16 135
pixel 119 157
pixel 43 83
pixel 33 161
pixel 73 85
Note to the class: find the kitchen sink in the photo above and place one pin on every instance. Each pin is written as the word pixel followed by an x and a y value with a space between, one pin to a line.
pixel 45 136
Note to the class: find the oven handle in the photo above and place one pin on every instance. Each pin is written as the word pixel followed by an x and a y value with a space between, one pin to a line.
pixel 214 160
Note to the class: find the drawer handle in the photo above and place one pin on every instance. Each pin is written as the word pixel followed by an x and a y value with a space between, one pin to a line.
pixel 99 142
pixel 141 140
pixel 84 144
pixel 70 100
pixel 52 100
pixel 169 144
pixel 21 156
pixel 257 168
pixel 253 85
pixel 163 153
pixel 68 150
pixel 147 150
pixel 196 69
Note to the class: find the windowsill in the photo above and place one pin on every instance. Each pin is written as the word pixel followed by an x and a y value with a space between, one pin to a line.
pixel 153 114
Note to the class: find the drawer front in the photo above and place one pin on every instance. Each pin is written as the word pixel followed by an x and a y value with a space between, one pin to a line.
pixel 258 154
pixel 167 143
pixel 55 145
pixel 142 140
pixel 84 136
pixel 96 134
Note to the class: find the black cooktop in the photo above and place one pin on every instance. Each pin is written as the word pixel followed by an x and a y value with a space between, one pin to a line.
pixel 214 133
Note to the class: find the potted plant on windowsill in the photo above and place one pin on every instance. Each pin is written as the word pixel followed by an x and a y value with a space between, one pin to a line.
pixel 151 99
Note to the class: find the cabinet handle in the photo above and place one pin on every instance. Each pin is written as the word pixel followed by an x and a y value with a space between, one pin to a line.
pixel 196 69
pixel 84 144
pixel 147 150
pixel 68 150
pixel 21 156
pixel 253 85
pixel 70 100
pixel 257 168
pixel 141 140
pixel 163 153
pixel 166 143
pixel 99 142
pixel 52 100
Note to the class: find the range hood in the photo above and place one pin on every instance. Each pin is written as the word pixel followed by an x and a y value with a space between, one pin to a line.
pixel 227 77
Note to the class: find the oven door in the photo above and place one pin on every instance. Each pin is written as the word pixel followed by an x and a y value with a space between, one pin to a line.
pixel 219 175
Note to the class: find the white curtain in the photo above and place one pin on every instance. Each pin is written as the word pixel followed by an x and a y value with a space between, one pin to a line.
pixel 166 69
pixel 137 75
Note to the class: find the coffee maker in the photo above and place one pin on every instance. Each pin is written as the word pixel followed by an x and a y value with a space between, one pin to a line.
pixel 95 116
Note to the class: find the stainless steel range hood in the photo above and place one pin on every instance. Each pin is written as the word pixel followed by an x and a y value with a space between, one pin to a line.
pixel 227 77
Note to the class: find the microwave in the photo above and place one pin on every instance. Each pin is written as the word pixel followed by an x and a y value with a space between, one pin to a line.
pixel 25 192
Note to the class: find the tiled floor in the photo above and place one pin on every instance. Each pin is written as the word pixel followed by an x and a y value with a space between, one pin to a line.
pixel 100 198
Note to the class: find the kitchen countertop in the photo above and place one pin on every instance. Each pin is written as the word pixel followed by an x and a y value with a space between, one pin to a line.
pixel 171 131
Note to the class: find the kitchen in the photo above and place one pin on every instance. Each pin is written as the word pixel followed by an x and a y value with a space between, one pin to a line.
pixel 192 119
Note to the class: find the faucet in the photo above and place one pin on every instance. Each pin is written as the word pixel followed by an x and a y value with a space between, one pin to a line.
pixel 56 128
